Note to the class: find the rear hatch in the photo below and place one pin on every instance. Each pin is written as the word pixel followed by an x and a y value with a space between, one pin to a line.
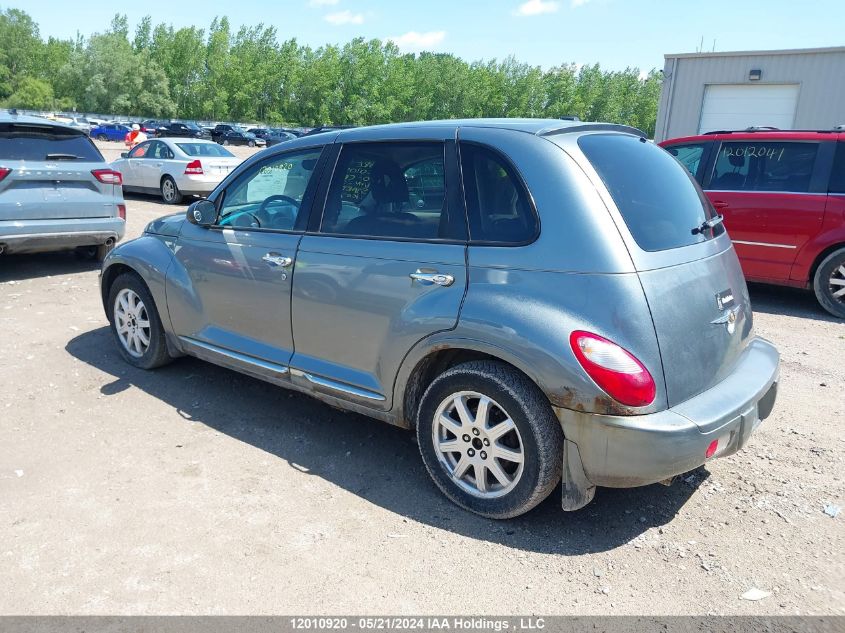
pixel 50 174
pixel 685 260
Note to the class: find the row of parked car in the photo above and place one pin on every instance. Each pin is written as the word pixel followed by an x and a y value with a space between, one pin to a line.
pixel 224 134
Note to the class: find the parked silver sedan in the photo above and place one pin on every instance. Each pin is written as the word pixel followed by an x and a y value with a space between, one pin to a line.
pixel 175 167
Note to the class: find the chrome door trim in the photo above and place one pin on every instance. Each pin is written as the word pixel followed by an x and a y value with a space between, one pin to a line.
pixel 338 386
pixel 766 191
pixel 764 244
pixel 237 357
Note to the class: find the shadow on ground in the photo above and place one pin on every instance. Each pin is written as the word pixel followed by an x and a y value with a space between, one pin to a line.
pixel 21 267
pixel 786 301
pixel 376 461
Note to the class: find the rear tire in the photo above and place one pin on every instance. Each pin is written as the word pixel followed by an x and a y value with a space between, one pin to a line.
pixel 169 191
pixel 830 280
pixel 508 452
pixel 131 311
pixel 102 137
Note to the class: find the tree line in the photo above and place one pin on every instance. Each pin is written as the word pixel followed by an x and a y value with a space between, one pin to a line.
pixel 250 75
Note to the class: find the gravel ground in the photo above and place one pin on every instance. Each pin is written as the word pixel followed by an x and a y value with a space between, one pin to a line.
pixel 194 489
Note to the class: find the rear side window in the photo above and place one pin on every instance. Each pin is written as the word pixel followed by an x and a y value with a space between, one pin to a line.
pixel 43 142
pixel 689 156
pixel 658 199
pixel 764 166
pixel 837 176
pixel 498 205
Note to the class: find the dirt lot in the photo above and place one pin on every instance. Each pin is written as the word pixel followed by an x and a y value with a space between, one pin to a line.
pixel 193 489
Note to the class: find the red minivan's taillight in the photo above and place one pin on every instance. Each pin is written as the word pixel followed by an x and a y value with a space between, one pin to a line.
pixel 108 176
pixel 4 171
pixel 194 167
pixel 614 369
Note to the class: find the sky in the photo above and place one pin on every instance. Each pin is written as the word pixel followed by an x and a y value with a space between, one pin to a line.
pixel 614 33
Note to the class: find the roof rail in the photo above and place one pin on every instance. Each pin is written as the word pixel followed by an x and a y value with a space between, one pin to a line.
pixel 593 127
pixel 838 128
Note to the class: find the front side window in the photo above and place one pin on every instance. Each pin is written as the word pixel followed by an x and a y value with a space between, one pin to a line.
pixel 688 155
pixel 141 151
pixel 498 205
pixel 389 190
pixel 661 204
pixel 270 195
pixel 764 166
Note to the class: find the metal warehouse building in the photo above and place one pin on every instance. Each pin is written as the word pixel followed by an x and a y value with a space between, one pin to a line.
pixel 787 89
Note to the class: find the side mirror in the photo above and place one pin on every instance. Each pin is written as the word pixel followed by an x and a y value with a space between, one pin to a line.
pixel 202 213
pixel 124 154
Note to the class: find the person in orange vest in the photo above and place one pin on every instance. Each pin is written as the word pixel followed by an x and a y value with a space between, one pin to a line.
pixel 134 137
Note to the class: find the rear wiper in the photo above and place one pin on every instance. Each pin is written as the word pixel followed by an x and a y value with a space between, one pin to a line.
pixel 710 224
pixel 63 157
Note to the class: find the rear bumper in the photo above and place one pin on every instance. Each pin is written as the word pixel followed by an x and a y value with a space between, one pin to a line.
pixel 33 236
pixel 628 451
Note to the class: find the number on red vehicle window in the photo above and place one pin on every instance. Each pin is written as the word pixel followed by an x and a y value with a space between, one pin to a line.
pixel 764 166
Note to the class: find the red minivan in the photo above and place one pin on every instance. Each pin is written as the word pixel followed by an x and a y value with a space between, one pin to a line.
pixel 782 195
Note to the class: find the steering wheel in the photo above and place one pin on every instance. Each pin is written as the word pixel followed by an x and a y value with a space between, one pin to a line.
pixel 276 198
pixel 235 217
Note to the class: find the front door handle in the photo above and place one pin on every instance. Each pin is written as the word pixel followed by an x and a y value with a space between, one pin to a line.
pixel 433 278
pixel 275 259
pixel 720 204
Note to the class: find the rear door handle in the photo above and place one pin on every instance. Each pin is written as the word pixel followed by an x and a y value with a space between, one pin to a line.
pixel 720 204
pixel 275 259
pixel 432 278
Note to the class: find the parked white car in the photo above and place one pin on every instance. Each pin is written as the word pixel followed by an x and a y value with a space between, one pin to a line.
pixel 175 167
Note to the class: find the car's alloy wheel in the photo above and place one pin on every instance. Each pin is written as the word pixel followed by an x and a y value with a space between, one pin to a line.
pixel 169 191
pixel 135 323
pixel 478 444
pixel 829 283
pixel 132 322
pixel 489 439
pixel 102 137
pixel 836 284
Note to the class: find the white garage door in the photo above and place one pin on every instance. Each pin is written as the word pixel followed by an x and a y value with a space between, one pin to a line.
pixel 732 107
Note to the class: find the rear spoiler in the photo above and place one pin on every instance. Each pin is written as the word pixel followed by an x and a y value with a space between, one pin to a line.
pixel 592 127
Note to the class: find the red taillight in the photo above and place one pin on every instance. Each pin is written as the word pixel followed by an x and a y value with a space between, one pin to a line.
pixel 615 370
pixel 194 167
pixel 121 211
pixel 711 450
pixel 108 176
pixel 4 171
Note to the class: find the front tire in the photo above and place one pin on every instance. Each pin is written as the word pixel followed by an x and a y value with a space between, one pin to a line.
pixel 102 137
pixel 251 143
pixel 135 323
pixel 169 191
pixel 489 439
pixel 829 283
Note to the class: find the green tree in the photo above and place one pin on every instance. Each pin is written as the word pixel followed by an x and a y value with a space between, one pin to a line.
pixel 32 93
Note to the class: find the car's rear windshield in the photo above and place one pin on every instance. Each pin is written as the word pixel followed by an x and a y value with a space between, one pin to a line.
pixel 662 205
pixel 204 149
pixel 33 142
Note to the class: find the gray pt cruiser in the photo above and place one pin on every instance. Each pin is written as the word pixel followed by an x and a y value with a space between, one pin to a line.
pixel 539 299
